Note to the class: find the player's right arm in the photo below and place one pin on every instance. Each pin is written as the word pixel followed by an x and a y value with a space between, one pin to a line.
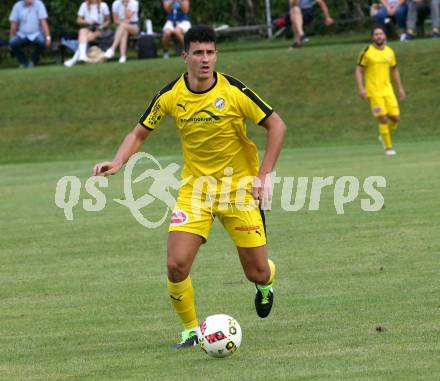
pixel 359 75
pixel 362 63
pixel 131 144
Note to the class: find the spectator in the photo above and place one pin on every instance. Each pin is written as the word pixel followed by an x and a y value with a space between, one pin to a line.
pixel 302 14
pixel 395 10
pixel 177 23
pixel 418 10
pixel 29 26
pixel 125 16
pixel 93 17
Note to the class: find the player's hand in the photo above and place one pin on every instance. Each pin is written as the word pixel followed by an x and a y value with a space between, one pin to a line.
pixel 363 94
pixel 262 191
pixel 402 95
pixel 106 168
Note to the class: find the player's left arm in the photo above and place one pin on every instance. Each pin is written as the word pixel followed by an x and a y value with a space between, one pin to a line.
pixel 276 130
pixel 398 81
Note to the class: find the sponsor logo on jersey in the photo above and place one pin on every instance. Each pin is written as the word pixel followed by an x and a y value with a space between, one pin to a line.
pixel 154 116
pixel 206 117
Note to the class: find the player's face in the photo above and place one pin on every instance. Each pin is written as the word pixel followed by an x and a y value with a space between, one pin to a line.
pixel 200 59
pixel 379 37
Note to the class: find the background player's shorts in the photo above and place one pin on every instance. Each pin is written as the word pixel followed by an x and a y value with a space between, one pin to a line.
pixel 244 224
pixel 381 106
pixel 184 25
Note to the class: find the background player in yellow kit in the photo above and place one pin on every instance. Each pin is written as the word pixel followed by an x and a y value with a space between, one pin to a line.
pixel 210 110
pixel 373 70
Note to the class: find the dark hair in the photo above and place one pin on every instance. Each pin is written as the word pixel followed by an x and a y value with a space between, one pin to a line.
pixel 198 33
pixel 374 28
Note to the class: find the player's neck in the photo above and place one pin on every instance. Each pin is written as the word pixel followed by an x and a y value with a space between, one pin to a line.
pixel 200 85
pixel 380 47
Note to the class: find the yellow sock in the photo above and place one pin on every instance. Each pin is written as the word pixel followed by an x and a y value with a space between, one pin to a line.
pixel 182 299
pixel 272 271
pixel 392 126
pixel 385 134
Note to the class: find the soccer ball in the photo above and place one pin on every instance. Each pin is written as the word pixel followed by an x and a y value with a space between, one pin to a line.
pixel 220 335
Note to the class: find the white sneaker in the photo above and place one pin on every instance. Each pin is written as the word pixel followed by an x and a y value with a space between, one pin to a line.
pixel 70 63
pixel 109 53
pixel 403 37
pixel 123 59
pixel 166 56
pixel 390 152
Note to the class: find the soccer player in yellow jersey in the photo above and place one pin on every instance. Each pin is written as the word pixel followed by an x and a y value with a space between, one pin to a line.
pixel 373 70
pixel 210 110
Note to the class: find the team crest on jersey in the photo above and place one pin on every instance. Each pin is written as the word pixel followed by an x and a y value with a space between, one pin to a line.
pixel 219 103
pixel 179 217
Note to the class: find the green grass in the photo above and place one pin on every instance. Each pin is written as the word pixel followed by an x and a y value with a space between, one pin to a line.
pixel 55 113
pixel 86 300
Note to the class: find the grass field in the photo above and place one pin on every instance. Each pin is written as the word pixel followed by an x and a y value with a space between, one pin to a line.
pixel 86 299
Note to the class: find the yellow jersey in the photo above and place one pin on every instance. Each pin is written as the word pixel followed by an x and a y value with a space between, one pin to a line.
pixel 377 64
pixel 212 126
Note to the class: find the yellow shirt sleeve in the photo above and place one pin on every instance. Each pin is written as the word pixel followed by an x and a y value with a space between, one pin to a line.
pixel 156 111
pixel 393 62
pixel 251 106
pixel 363 59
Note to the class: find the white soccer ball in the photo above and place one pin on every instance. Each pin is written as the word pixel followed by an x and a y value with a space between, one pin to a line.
pixel 220 335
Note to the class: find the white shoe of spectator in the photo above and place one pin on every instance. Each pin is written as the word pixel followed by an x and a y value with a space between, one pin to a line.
pixel 70 63
pixel 123 59
pixel 109 53
pixel 83 58
pixel 403 37
pixel 166 56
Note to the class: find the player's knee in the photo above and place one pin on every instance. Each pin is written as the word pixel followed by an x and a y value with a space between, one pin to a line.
pixel 258 275
pixel 395 118
pixel 177 271
pixel 383 119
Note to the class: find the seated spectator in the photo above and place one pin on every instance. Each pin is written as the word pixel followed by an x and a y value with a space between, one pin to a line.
pixel 125 16
pixel 302 14
pixel 29 26
pixel 395 10
pixel 177 23
pixel 417 12
pixel 93 17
